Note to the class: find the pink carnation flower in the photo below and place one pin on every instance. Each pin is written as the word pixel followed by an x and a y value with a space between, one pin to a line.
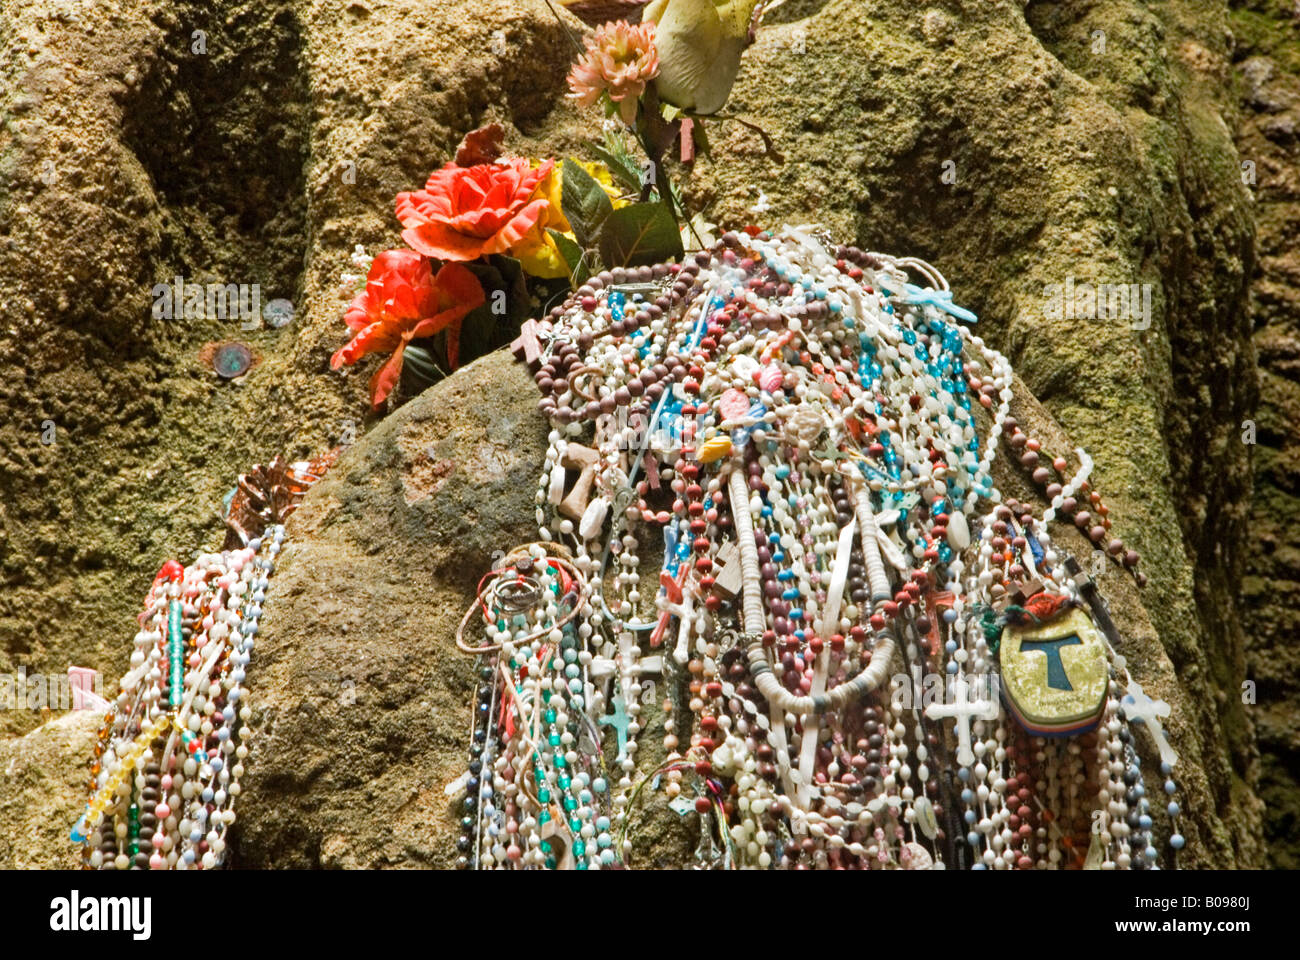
pixel 620 60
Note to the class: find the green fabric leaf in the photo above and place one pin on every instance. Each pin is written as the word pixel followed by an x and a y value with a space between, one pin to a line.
pixel 640 234
pixel 574 256
pixel 585 204
pixel 623 168
pixel 419 368
pixel 478 333
pixel 515 283
pixel 507 306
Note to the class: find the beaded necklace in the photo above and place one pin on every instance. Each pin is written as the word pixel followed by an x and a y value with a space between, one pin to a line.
pixel 811 436
pixel 170 755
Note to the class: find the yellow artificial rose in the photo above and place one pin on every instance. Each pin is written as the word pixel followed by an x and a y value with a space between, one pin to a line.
pixel 537 251
pixel 699 44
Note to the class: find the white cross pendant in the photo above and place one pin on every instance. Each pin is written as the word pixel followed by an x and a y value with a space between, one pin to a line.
pixel 962 711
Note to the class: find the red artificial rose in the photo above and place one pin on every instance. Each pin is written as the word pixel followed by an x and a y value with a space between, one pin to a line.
pixel 403 301
pixel 465 212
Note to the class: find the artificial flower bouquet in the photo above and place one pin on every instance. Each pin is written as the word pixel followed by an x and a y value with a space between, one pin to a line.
pixel 492 239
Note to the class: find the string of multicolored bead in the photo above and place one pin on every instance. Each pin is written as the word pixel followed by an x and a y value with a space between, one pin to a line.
pixel 171 752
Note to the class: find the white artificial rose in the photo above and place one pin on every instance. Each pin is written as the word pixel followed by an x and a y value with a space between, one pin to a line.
pixel 699 44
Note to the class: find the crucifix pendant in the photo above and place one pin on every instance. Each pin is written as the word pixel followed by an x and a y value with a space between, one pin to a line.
pixel 963 710
pixel 619 721
pixel 1140 708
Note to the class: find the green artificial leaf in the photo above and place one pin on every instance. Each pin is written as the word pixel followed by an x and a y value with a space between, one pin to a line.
pixel 623 169
pixel 669 112
pixel 640 234
pixel 521 296
pixel 515 283
pixel 584 202
pixel 419 368
pixel 504 288
pixel 574 256
pixel 490 276
pixel 507 304
pixel 478 332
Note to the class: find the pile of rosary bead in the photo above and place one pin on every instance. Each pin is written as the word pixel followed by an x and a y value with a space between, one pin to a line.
pixel 171 752
pixel 801 425
pixel 170 755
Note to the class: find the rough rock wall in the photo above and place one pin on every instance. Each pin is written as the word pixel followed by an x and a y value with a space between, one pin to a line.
pixel 1268 67
pixel 247 142
pixel 1113 166
pixel 127 159
pixel 43 791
